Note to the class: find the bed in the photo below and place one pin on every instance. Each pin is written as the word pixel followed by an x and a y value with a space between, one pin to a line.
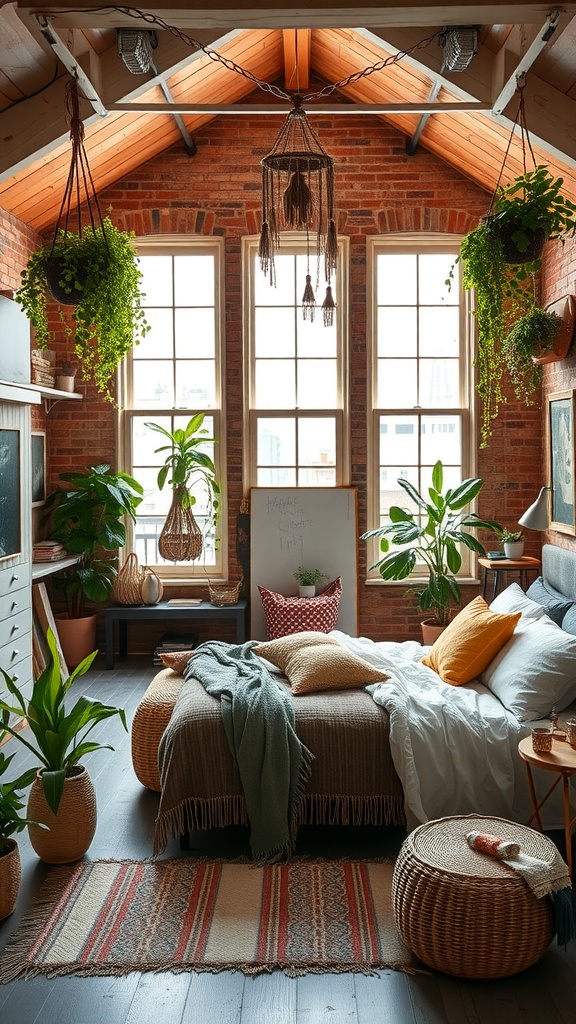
pixel 406 747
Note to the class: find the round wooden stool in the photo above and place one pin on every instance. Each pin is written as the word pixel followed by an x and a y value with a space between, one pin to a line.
pixel 464 912
pixel 150 720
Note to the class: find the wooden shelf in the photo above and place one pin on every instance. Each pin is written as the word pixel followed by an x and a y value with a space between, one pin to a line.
pixel 40 569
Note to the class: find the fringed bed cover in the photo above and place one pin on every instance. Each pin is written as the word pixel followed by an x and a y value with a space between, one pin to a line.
pixel 352 778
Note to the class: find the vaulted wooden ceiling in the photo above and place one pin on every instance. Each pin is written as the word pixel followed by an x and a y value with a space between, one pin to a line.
pixel 464 117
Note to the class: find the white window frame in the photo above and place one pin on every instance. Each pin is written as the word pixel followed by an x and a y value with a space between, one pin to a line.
pixel 420 243
pixel 171 245
pixel 296 243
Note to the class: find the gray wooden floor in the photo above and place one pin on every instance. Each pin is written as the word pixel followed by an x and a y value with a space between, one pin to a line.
pixel 545 994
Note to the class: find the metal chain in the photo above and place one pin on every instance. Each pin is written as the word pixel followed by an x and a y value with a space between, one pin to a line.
pixel 274 90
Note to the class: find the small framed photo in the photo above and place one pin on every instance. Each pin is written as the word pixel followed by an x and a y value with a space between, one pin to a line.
pixel 38 461
pixel 10 537
pixel 561 419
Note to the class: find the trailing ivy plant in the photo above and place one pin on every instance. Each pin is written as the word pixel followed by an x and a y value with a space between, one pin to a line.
pixel 99 269
pixel 529 336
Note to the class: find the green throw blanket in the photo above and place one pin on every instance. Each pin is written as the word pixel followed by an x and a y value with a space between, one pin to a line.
pixel 258 720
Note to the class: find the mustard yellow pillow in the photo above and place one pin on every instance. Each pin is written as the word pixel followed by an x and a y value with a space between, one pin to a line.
pixel 470 642
pixel 313 661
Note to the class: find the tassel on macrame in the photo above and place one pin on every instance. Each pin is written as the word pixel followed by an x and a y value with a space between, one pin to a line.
pixel 309 301
pixel 328 307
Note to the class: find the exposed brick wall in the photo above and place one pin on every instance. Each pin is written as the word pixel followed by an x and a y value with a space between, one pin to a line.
pixel 378 189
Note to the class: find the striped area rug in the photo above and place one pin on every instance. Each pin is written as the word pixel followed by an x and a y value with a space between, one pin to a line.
pixel 113 917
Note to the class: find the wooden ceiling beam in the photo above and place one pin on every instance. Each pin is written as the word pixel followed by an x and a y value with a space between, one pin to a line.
pixel 296 42
pixel 323 14
pixel 238 109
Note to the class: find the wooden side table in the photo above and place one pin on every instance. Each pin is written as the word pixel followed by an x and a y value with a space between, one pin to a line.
pixel 501 566
pixel 562 760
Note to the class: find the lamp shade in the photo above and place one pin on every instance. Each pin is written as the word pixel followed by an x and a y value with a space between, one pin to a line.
pixel 536 517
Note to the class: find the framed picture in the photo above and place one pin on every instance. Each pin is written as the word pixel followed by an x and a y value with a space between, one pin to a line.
pixel 10 537
pixel 561 420
pixel 38 460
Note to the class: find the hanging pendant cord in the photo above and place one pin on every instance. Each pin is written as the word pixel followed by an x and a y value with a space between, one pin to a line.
pixel 520 121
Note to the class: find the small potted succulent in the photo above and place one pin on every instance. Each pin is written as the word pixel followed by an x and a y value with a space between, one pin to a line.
pixel 513 541
pixel 308 580
pixel 66 378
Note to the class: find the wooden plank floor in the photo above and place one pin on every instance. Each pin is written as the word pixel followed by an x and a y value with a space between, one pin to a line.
pixel 126 811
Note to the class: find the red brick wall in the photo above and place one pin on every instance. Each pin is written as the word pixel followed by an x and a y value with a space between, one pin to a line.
pixel 378 189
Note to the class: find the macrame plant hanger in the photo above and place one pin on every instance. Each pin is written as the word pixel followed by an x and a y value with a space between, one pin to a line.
pixel 79 183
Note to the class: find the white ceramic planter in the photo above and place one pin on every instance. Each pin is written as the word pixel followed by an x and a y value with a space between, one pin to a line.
pixel 306 591
pixel 513 549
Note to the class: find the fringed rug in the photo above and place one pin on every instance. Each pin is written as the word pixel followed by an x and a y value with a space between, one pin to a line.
pixel 113 917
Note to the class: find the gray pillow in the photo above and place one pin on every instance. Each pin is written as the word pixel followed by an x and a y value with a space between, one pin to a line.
pixel 555 604
pixel 569 620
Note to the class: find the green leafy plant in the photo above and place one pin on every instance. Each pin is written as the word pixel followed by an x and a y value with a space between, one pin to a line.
pixel 99 267
pixel 11 803
pixel 60 737
pixel 186 463
pixel 309 577
pixel 530 335
pixel 529 207
pixel 86 518
pixel 509 536
pixel 432 536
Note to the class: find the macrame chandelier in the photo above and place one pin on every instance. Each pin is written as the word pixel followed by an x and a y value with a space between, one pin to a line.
pixel 298 195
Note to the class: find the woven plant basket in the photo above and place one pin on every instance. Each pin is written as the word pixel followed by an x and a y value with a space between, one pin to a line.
pixel 224 593
pixel 181 538
pixel 127 587
pixel 72 828
pixel 10 873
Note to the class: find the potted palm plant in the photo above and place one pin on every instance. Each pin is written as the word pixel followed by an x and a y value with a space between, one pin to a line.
pixel 499 259
pixel 96 271
pixel 62 795
pixel 185 466
pixel 11 822
pixel 86 517
pixel 432 537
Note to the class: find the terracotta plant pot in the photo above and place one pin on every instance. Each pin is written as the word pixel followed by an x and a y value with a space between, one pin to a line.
pixel 77 637
pixel 72 828
pixel 10 873
pixel 430 632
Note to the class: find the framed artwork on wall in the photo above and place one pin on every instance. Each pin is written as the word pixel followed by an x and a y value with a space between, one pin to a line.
pixel 10 535
pixel 38 461
pixel 561 421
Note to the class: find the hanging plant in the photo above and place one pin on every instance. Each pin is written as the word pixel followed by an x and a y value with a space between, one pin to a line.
pixel 530 336
pixel 100 266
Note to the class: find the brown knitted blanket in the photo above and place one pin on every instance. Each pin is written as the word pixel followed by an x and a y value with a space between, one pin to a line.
pixel 352 778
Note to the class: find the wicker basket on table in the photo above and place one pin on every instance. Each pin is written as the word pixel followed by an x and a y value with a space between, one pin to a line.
pixel 224 593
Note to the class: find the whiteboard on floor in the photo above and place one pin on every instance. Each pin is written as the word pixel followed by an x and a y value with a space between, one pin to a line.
pixel 312 527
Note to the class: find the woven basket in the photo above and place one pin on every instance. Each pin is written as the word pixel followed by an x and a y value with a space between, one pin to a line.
pixel 464 912
pixel 127 587
pixel 224 593
pixel 181 538
pixel 72 829
pixel 150 720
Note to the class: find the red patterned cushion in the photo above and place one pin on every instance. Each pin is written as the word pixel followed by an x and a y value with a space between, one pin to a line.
pixel 286 615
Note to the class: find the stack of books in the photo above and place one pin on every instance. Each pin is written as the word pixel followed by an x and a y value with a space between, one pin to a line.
pixel 171 642
pixel 48 551
pixel 42 368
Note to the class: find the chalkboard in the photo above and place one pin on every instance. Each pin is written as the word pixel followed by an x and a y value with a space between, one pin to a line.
pixel 315 527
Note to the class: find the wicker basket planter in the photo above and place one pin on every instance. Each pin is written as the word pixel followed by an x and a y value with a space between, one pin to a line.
pixel 72 828
pixel 224 593
pixel 10 873
pixel 181 538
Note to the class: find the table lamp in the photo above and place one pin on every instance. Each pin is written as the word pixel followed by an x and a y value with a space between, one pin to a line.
pixel 536 517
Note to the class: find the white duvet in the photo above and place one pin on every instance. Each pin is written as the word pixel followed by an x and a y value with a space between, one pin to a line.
pixel 454 748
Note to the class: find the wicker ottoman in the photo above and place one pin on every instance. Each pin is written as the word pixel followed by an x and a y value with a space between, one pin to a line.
pixel 463 912
pixel 150 720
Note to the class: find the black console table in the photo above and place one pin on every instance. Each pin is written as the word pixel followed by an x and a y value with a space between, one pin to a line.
pixel 122 614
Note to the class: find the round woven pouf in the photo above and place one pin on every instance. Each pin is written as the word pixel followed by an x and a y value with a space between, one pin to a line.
pixel 150 720
pixel 464 912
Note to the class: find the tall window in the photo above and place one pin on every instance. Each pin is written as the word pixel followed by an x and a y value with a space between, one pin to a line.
pixel 421 399
pixel 297 382
pixel 175 372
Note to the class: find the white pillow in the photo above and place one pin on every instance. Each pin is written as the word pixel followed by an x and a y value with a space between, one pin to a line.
pixel 535 671
pixel 513 599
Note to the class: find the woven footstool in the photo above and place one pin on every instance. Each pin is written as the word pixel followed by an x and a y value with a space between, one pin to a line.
pixel 150 720
pixel 464 912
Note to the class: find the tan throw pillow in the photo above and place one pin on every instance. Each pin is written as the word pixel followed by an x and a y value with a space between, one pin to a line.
pixel 313 661
pixel 470 642
pixel 176 660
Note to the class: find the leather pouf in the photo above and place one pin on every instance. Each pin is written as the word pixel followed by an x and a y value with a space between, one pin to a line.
pixel 10 872
pixel 72 828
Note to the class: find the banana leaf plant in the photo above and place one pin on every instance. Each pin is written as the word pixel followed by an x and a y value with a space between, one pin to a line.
pixel 59 737
pixel 432 536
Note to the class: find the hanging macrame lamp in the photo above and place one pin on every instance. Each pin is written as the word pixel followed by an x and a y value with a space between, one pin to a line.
pixel 79 188
pixel 298 195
